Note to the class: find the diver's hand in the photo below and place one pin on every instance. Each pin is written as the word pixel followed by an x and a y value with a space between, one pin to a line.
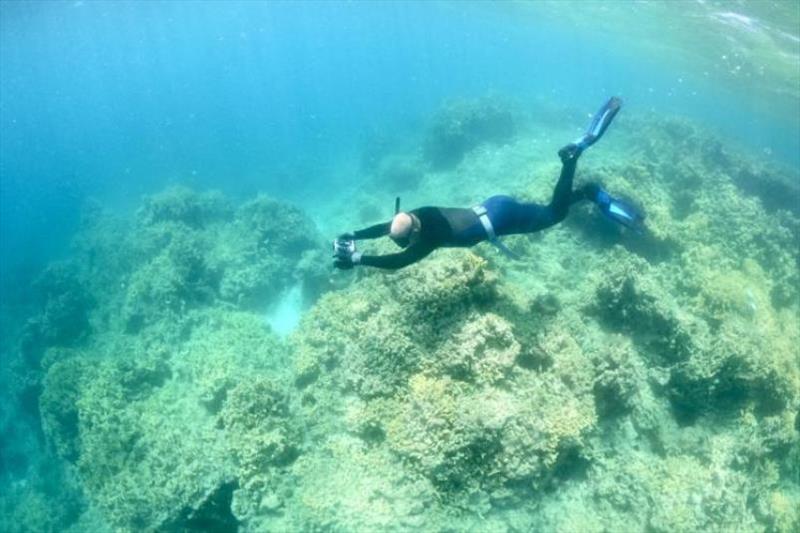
pixel 346 262
pixel 343 263
pixel 344 253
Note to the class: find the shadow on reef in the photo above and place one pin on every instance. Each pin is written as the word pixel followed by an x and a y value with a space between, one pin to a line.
pixel 213 515
pixel 604 234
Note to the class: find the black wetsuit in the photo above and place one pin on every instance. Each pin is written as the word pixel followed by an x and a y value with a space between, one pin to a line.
pixel 461 227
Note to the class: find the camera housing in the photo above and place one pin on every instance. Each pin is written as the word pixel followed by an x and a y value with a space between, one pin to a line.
pixel 343 248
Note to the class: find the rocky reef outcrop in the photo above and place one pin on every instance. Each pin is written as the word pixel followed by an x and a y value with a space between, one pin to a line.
pixel 607 381
pixel 464 124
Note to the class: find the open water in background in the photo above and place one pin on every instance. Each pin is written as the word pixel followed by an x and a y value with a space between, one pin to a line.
pixel 116 99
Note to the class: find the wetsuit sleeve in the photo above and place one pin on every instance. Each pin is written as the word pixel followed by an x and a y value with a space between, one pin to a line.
pixel 410 255
pixel 373 232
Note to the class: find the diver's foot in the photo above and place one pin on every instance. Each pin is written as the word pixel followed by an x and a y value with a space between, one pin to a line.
pixel 569 153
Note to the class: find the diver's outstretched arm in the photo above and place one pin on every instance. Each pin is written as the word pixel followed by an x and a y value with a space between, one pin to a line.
pixel 372 232
pixel 409 256
pixel 346 257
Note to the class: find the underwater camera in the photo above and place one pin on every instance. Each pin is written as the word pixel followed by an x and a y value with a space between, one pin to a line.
pixel 343 248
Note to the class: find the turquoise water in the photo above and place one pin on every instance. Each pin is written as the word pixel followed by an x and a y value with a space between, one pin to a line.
pixel 171 174
pixel 114 100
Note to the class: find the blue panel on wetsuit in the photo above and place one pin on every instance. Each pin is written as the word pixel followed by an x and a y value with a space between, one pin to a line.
pixel 508 216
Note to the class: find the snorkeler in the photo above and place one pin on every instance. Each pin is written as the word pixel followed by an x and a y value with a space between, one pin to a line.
pixel 423 230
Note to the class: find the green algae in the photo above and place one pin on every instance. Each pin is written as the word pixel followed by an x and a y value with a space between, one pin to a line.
pixel 607 381
pixel 464 124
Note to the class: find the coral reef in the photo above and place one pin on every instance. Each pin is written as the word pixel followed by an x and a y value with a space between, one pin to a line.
pixel 258 253
pixel 156 433
pixel 616 391
pixel 125 329
pixel 434 377
pixel 184 206
pixel 461 125
pixel 397 174
pixel 607 381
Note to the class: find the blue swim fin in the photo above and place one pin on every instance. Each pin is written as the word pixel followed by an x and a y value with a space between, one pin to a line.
pixel 600 122
pixel 597 127
pixel 620 211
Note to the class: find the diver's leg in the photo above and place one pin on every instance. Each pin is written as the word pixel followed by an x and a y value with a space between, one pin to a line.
pixel 535 217
pixel 531 217
pixel 562 193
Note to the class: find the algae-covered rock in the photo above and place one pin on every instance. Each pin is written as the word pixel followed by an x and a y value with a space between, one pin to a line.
pixel 147 396
pixel 483 352
pixel 607 381
pixel 58 403
pixel 437 379
pixel 46 501
pixel 350 486
pixel 172 242
pixel 64 306
pixel 143 428
pixel 195 248
pixel 183 205
pixel 256 255
pixel 461 125
pixel 630 300
pixel 172 282
pixel 373 340
pixel 64 318
pixel 686 494
pixel 264 440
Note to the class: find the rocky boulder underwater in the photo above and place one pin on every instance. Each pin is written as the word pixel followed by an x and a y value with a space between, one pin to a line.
pixel 607 381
